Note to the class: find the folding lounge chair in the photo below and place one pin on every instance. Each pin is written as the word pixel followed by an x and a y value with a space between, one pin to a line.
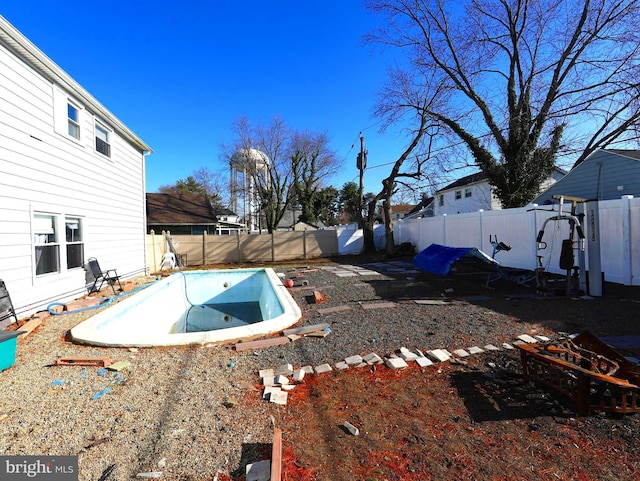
pixel 6 307
pixel 109 276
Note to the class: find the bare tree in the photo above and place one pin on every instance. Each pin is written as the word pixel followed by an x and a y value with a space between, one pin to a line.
pixel 312 162
pixel 518 81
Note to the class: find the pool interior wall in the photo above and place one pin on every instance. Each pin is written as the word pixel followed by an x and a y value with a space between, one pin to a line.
pixel 195 307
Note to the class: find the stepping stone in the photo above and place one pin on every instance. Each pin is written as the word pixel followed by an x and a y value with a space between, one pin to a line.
pixel 432 302
pixel 475 350
pixel 424 361
pixel 439 355
pixel 407 355
pixel 342 365
pixel 461 353
pixel 345 274
pixel 353 359
pixel 266 373
pixel 527 338
pixel 542 338
pixel 396 363
pixel 475 298
pixel 507 345
pixel 378 305
pixel 307 369
pixel 323 368
pixel 491 347
pixel 331 310
pixel 372 358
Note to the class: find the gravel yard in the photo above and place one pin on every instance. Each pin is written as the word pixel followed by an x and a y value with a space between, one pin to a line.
pixel 196 413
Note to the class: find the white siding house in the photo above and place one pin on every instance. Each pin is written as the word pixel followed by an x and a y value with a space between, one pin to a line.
pixel 71 181
pixel 473 193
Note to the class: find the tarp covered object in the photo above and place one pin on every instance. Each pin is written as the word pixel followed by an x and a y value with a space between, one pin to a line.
pixel 437 259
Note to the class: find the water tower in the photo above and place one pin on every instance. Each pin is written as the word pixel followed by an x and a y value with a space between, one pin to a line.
pixel 247 165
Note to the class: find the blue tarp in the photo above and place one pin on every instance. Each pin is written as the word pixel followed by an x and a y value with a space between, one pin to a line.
pixel 437 259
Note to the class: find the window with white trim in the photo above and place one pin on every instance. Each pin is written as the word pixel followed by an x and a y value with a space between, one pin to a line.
pixel 458 194
pixel 73 120
pixel 75 242
pixel 53 251
pixel 467 192
pixel 47 248
pixel 441 200
pixel 103 139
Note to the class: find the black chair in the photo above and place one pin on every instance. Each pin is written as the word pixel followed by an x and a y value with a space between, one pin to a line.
pixel 6 307
pixel 109 276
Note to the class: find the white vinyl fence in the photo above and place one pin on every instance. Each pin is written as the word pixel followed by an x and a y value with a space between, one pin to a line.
pixel 618 235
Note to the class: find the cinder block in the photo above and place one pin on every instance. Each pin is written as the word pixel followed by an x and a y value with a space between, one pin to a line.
pixel 307 369
pixel 284 370
pixel 351 428
pixel 461 353
pixel 395 363
pixel 281 380
pixel 266 373
pixel 266 394
pixel 268 381
pixel 323 368
pixel 279 397
pixel 298 375
pixel 342 365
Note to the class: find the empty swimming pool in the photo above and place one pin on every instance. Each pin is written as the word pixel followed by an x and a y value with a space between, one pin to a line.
pixel 195 307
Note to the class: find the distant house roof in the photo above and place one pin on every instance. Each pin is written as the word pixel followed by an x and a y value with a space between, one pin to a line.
pixel 477 177
pixel 424 204
pixel 180 209
pixel 402 208
pixel 469 179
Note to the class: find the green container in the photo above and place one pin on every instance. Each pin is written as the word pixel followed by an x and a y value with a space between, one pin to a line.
pixel 8 348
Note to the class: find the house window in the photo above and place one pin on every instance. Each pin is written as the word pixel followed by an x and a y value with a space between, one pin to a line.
pixel 441 200
pixel 102 140
pixel 47 249
pixel 75 242
pixel 458 194
pixel 467 192
pixel 73 120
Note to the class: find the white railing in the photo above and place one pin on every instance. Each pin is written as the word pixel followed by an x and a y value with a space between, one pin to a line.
pixel 619 236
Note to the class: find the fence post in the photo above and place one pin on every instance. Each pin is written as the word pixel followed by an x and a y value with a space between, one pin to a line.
pixel 480 220
pixel 304 243
pixel 204 247
pixel 627 274
pixel 444 229
pixel 153 249
pixel 238 244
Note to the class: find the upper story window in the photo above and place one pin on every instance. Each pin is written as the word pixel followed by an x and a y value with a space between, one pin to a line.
pixel 467 192
pixel 458 194
pixel 103 140
pixel 441 200
pixel 73 114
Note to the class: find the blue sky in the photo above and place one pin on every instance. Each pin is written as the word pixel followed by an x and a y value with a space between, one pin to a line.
pixel 179 73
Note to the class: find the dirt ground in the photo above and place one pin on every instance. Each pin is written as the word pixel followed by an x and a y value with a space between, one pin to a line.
pixel 473 420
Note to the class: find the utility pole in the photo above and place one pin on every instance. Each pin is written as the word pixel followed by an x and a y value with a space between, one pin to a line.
pixel 361 163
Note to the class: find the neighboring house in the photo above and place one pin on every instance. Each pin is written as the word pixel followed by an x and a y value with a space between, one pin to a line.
pixel 188 214
pixel 71 181
pixel 301 226
pixel 604 175
pixel 398 212
pixel 473 193
pixel 423 209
